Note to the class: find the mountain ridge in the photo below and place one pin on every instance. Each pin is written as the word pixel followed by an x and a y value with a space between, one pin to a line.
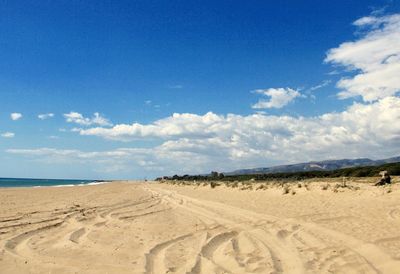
pixel 316 165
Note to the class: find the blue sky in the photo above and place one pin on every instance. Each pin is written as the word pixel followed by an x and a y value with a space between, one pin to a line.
pixel 134 89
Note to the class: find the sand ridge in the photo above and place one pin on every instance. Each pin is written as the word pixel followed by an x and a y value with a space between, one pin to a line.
pixel 160 228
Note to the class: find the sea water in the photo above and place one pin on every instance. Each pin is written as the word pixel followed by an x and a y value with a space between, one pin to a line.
pixel 23 182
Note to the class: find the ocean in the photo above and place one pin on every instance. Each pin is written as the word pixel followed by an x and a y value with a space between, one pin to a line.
pixel 23 182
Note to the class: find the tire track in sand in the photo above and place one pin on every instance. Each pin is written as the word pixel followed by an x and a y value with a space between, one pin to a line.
pixel 292 246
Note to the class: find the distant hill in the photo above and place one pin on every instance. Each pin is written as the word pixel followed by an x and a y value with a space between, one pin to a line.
pixel 327 165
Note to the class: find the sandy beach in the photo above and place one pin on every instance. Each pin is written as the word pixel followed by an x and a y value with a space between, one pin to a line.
pixel 137 227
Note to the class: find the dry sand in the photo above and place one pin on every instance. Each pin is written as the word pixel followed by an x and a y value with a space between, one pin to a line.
pixel 160 228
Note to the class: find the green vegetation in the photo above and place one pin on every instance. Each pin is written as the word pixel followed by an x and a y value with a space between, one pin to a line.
pixel 366 171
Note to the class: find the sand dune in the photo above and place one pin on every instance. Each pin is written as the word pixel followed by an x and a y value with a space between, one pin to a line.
pixel 159 228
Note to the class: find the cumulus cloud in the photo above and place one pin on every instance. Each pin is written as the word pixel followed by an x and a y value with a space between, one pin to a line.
pixel 45 116
pixel 374 59
pixel 190 143
pixel 77 118
pixel 177 125
pixel 7 135
pixel 279 97
pixel 15 116
pixel 364 123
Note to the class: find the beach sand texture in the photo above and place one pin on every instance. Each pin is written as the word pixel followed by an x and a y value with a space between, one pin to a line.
pixel 162 228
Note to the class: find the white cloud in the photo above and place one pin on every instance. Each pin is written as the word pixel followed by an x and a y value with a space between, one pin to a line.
pixel 365 123
pixel 279 97
pixel 151 103
pixel 322 85
pixel 179 125
pixel 367 20
pixel 375 59
pixel 190 143
pixel 15 116
pixel 7 135
pixel 45 116
pixel 120 159
pixel 65 152
pixel 77 118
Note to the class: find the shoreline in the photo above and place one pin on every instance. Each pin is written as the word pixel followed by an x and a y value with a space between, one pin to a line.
pixel 80 183
pixel 274 182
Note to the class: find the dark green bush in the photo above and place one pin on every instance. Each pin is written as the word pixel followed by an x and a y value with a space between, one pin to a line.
pixel 367 171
